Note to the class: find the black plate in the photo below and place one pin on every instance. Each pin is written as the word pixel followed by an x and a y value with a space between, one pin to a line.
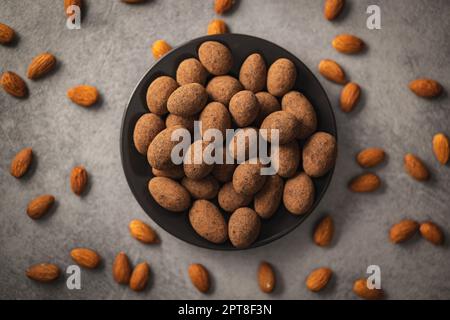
pixel 137 169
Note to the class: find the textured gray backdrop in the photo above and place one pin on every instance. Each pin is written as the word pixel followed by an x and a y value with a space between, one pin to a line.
pixel 112 51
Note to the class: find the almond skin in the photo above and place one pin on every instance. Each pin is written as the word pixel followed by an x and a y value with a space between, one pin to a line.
pixel 403 230
pixel 21 162
pixel 199 277
pixel 217 26
pixel 431 232
pixel 40 206
pixel 160 48
pixel 68 3
pixel 350 96
pixel 139 277
pixel 426 88
pixel 266 277
pixel 361 290
pixel 121 269
pixel 441 148
pixel 6 34
pixel 222 6
pixel 13 84
pixel 367 182
pixel 143 232
pixel 43 272
pixel 78 180
pixel 332 8
pixel 370 157
pixel 83 95
pixel 416 168
pixel 332 71
pixel 347 43
pixel 40 65
pixel 318 279
pixel 324 231
pixel 86 258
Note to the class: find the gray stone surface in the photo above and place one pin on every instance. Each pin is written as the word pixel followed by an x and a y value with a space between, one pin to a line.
pixel 112 51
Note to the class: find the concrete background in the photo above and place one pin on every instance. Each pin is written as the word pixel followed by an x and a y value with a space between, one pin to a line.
pixel 112 52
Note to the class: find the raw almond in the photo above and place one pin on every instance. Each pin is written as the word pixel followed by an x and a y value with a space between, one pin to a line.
pixel 199 277
pixel 370 157
pixel 426 88
pixel 14 84
pixel 332 71
pixel 86 258
pixel 139 277
pixel 441 148
pixel 318 279
pixel 347 43
pixel 83 95
pixel 367 182
pixel 21 162
pixel 362 291
pixel 403 230
pixel 43 272
pixel 160 48
pixel 6 34
pixel 432 232
pixel 41 65
pixel 121 269
pixel 217 26
pixel 142 232
pixel 332 8
pixel 415 167
pixel 68 3
pixel 40 206
pixel 350 96
pixel 222 6
pixel 78 180
pixel 266 277
pixel 323 233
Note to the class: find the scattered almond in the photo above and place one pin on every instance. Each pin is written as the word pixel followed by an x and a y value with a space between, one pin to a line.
pixel 83 95
pixel 44 272
pixel 431 232
pixel 347 43
pixel 362 291
pixel 416 168
pixel 6 34
pixel 86 258
pixel 217 26
pixel 21 162
pixel 199 277
pixel 426 88
pixel 160 48
pixel 41 65
pixel 68 3
pixel 370 157
pixel 367 182
pixel 441 148
pixel 40 206
pixel 121 269
pixel 318 279
pixel 266 277
pixel 142 232
pixel 332 8
pixel 78 180
pixel 13 84
pixel 350 96
pixel 222 6
pixel 332 71
pixel 403 230
pixel 323 233
pixel 139 277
